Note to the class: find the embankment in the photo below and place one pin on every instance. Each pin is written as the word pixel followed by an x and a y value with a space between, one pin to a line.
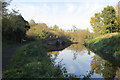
pixel 105 44
pixel 33 61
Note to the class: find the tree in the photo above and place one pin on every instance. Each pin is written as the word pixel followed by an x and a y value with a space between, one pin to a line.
pixel 74 28
pixel 96 23
pixel 55 27
pixel 32 22
pixel 38 31
pixel 117 10
pixel 104 67
pixel 5 3
pixel 108 19
pixel 14 26
pixel 105 22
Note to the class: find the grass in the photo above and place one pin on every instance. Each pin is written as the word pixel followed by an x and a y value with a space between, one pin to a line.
pixel 108 43
pixel 32 61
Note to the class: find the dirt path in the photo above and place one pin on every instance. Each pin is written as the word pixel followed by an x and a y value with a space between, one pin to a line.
pixel 7 54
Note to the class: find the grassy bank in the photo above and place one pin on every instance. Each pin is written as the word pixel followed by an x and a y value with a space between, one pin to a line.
pixel 32 61
pixel 109 43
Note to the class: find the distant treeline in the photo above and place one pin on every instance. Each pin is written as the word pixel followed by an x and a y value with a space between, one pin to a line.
pixel 80 35
pixel 16 28
pixel 42 31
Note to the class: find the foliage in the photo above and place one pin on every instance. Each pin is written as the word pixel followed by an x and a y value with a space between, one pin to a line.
pixel 79 35
pixel 13 25
pixel 105 68
pixel 55 27
pixel 105 22
pixel 107 58
pixel 117 10
pixel 38 31
pixel 4 5
pixel 32 22
pixel 41 31
pixel 106 44
pixel 33 58
pixel 77 47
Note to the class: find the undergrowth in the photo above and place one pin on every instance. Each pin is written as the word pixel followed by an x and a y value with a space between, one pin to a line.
pixel 107 44
pixel 32 61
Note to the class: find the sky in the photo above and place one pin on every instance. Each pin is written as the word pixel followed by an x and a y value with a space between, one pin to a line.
pixel 64 13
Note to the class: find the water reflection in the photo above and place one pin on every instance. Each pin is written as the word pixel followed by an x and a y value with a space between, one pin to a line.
pixel 77 47
pixel 107 66
pixel 77 63
pixel 58 47
pixel 82 63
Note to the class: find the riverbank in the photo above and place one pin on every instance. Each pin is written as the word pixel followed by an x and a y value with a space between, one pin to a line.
pixel 33 58
pixel 106 44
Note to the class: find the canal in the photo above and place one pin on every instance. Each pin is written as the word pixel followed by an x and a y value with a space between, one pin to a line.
pixel 81 63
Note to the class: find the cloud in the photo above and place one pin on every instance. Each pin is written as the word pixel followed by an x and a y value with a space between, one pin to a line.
pixel 70 8
pixel 63 14
pixel 72 69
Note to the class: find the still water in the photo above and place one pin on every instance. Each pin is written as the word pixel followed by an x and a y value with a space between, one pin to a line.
pixel 82 62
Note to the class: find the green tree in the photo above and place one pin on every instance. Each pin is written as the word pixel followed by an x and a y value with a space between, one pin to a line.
pixel 55 27
pixel 96 23
pixel 14 26
pixel 38 31
pixel 108 19
pixel 104 67
pixel 117 10
pixel 105 22
pixel 32 22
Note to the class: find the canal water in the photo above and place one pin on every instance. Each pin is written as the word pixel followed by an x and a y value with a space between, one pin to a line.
pixel 81 62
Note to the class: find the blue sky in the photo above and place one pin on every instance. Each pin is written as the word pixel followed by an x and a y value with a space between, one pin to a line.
pixel 64 13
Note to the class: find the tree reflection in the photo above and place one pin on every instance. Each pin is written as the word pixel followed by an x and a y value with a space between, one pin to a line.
pixel 55 53
pixel 77 47
pixel 105 68
pixel 88 76
pixel 118 73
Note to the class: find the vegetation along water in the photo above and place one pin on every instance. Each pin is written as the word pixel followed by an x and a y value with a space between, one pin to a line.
pixel 36 50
